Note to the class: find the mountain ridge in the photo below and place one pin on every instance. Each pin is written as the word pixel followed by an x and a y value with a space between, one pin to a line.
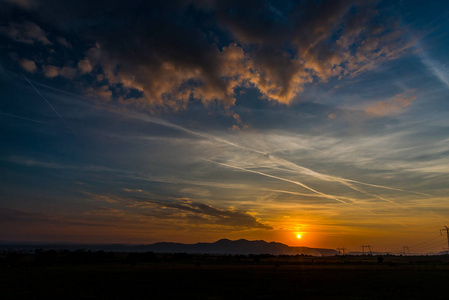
pixel 241 246
pixel 222 246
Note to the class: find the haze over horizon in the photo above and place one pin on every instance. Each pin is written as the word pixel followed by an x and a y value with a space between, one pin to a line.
pixel 191 121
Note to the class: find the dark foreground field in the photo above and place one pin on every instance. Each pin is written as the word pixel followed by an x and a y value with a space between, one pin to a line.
pixel 230 278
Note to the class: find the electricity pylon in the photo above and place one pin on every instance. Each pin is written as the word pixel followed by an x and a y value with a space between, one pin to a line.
pixel 342 250
pixel 369 249
pixel 447 236
pixel 405 250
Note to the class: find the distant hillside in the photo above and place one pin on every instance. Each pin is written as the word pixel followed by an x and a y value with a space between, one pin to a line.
pixel 223 246
pixel 242 246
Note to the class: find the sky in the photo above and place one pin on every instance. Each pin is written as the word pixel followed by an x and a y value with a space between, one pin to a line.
pixel 191 121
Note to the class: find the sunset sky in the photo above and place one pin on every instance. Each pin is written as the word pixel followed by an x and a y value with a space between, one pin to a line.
pixel 191 121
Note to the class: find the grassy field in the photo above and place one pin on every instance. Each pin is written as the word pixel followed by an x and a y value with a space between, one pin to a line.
pixel 232 278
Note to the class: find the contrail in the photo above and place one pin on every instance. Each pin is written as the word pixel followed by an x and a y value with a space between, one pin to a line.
pixel 290 165
pixel 192 132
pixel 281 161
pixel 303 170
pixel 43 97
pixel 293 193
pixel 438 69
pixel 287 180
pixel 49 104
pixel 344 182
pixel 22 118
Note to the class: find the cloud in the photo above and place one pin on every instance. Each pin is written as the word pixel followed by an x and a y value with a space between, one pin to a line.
pixel 100 198
pixel 208 51
pixel 51 71
pixel 63 42
pixel 25 218
pixel 102 92
pixel 23 3
pixel 26 32
pixel 67 72
pixel 440 70
pixel 31 162
pixel 105 211
pixel 84 66
pixel 28 65
pixel 394 106
pixel 203 213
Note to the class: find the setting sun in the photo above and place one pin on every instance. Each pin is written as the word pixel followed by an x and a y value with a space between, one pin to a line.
pixel 298 236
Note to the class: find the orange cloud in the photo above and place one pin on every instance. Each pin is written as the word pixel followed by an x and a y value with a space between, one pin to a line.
pixel 26 32
pixel 50 71
pixel 28 65
pixel 394 106
pixel 163 62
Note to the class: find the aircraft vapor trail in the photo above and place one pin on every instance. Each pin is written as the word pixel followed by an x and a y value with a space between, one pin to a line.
pixel 292 166
pixel 43 97
pixel 346 183
pixel 303 170
pixel 22 118
pixel 192 132
pixel 287 180
pixel 386 187
pixel 366 193
pixel 292 193
pixel 49 104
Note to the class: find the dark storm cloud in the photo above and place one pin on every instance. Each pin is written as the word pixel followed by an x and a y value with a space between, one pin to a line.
pixel 161 54
pixel 202 213
pixel 26 32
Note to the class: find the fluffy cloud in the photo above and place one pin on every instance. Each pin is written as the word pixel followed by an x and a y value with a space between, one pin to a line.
pixel 26 32
pixel 84 66
pixel 51 71
pixel 162 54
pixel 28 65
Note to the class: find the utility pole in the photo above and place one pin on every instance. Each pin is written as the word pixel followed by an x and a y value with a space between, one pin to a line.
pixel 405 250
pixel 368 247
pixel 342 251
pixel 447 236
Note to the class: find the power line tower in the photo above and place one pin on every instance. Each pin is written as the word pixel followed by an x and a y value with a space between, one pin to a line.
pixel 447 236
pixel 367 247
pixel 405 250
pixel 342 250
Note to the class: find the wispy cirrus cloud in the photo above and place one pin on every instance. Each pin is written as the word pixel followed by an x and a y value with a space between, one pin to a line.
pixel 439 69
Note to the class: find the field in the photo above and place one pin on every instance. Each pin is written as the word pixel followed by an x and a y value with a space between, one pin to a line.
pixel 124 276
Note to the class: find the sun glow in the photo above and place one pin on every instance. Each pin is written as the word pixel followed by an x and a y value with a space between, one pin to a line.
pixel 298 236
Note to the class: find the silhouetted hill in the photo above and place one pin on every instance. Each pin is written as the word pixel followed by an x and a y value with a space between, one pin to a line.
pixel 223 246
pixel 242 246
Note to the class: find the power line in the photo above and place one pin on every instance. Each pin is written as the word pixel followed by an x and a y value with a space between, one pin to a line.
pixel 437 237
pixel 433 246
